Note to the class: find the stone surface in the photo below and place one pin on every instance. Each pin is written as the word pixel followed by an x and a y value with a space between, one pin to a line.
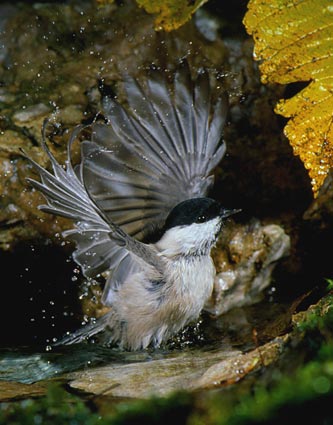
pixel 10 391
pixel 245 259
pixel 229 372
pixel 187 371
pixel 155 377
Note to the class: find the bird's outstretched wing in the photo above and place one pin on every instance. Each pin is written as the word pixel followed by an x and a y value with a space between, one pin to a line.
pixel 100 240
pixel 147 158
pixel 157 152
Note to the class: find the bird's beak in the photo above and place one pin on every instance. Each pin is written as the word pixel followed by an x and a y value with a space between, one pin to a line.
pixel 226 213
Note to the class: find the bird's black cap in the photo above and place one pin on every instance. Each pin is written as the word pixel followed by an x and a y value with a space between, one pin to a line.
pixel 196 210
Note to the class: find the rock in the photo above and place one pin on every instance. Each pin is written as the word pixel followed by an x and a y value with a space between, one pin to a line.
pixel 30 113
pixel 229 372
pixel 245 259
pixel 187 371
pixel 155 377
pixel 15 390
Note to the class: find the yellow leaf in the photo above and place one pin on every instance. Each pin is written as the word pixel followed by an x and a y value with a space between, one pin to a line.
pixel 171 14
pixel 294 42
pixel 104 2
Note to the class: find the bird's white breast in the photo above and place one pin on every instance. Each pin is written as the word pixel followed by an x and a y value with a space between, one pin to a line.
pixel 193 279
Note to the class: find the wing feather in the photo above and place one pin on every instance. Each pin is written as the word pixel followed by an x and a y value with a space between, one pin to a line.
pixel 147 158
pixel 101 243
pixel 157 153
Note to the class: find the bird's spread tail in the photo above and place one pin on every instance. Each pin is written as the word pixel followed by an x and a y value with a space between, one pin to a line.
pixel 85 332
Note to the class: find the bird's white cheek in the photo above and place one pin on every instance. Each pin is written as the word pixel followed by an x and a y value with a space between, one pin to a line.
pixel 187 239
pixel 202 233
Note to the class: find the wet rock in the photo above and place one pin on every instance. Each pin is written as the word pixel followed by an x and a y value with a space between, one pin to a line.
pixel 245 259
pixel 15 390
pixel 30 113
pixel 227 372
pixel 184 371
pixel 156 377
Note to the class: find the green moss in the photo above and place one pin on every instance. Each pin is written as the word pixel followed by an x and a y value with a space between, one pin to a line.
pixel 57 407
pixel 311 384
pixel 329 284
pixel 172 410
pixel 319 319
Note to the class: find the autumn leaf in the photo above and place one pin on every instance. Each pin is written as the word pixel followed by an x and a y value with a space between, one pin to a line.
pixel 294 42
pixel 171 14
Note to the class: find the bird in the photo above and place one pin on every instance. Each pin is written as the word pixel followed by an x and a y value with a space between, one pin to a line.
pixel 139 203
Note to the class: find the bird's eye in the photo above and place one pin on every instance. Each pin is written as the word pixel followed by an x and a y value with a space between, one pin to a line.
pixel 201 219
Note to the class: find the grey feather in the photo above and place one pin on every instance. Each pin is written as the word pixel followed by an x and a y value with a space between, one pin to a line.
pixel 99 240
pixel 159 153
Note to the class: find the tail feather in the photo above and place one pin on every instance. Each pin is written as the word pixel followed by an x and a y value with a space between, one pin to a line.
pixel 85 332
